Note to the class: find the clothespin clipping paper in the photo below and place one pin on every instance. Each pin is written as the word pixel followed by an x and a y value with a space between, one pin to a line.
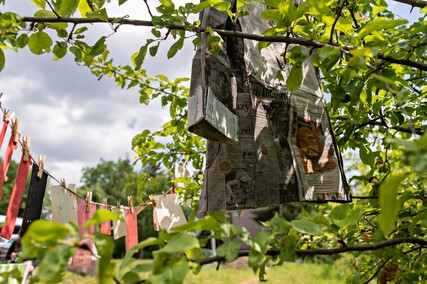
pixel 88 201
pixel 15 129
pixel 41 161
pixel 26 148
pixel 130 203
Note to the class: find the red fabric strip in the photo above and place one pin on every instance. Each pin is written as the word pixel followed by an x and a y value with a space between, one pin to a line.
pixel 6 161
pixel 16 198
pixel 3 132
pixel 85 211
pixel 131 238
pixel 105 226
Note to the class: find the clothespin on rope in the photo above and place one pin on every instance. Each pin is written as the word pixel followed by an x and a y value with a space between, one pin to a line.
pixel 130 203
pixel 41 161
pixel 106 204
pixel 88 201
pixel 6 115
pixel 153 201
pixel 15 129
pixel 26 148
pixel 63 183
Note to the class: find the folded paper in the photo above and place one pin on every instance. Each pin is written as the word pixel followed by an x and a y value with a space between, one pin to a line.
pixel 286 150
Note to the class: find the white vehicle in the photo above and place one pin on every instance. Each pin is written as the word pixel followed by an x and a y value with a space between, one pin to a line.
pixel 6 244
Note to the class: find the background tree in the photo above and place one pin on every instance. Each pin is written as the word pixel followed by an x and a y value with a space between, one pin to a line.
pixel 7 189
pixel 372 64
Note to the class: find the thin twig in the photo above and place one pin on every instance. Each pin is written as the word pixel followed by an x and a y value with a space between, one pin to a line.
pixel 336 20
pixel 53 10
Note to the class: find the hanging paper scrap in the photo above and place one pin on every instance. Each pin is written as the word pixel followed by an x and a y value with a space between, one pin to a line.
pixel 168 211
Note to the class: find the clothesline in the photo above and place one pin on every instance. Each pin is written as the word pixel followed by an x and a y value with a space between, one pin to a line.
pixel 8 118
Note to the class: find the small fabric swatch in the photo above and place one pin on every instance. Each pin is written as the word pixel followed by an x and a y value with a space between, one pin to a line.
pixel 11 147
pixel 16 198
pixel 119 226
pixel 85 211
pixel 35 196
pixel 131 238
pixel 64 204
pixel 105 227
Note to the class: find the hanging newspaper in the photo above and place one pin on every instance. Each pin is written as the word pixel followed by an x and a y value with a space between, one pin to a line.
pixel 286 150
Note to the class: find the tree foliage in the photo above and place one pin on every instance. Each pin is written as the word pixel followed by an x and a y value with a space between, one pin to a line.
pixel 372 64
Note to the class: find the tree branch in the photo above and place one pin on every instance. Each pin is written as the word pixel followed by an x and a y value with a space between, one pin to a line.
pixel 413 3
pixel 256 37
pixel 300 252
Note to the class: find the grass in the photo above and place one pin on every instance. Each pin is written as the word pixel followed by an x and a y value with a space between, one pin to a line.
pixel 293 273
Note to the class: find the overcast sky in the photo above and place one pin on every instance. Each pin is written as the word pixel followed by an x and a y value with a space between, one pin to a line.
pixel 71 117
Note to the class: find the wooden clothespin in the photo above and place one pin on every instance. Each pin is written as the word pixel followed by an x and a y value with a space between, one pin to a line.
pixel 106 204
pixel 130 203
pixel 164 194
pixel 6 115
pixel 42 160
pixel 88 201
pixel 63 183
pixel 15 129
pixel 153 201
pixel 118 204
pixel 26 148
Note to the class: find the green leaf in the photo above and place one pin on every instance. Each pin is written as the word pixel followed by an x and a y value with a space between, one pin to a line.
pixel 295 78
pixel 307 227
pixel 201 6
pixel 67 7
pixel 39 43
pixel 151 241
pixel 153 50
pixel 98 48
pixel 172 273
pixel 22 40
pixel 105 247
pixel 100 14
pixel 39 3
pixel 389 203
pixel 60 50
pixel 138 57
pixel 271 15
pixel 175 47
pixel 180 243
pixel 379 24
pixel 101 216
pixel 2 59
pixel 229 250
pixel 54 264
pixel 84 8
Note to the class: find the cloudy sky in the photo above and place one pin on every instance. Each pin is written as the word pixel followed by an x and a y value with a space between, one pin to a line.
pixel 71 117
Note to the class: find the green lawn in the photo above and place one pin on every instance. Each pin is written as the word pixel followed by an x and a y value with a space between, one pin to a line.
pixel 293 273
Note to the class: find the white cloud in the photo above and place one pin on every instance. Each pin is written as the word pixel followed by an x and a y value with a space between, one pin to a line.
pixel 71 117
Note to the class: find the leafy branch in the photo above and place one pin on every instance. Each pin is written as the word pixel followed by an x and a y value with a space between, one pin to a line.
pixel 350 248
pixel 261 38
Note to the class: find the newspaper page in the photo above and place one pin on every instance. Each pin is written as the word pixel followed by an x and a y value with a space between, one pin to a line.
pixel 286 150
